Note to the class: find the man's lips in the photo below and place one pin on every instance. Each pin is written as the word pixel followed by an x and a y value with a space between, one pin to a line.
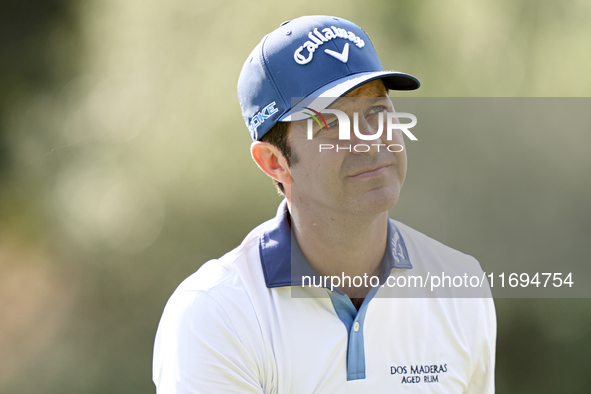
pixel 372 171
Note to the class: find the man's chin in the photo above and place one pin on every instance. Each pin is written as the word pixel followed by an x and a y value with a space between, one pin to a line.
pixel 378 200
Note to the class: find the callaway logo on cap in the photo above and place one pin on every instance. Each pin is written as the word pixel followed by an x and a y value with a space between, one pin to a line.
pixel 308 57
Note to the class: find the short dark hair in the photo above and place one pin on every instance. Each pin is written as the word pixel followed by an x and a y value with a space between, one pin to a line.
pixel 278 136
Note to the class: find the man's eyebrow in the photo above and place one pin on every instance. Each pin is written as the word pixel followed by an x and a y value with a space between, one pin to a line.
pixel 378 98
pixel 381 97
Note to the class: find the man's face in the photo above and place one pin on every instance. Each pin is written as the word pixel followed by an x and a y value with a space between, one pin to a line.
pixel 348 181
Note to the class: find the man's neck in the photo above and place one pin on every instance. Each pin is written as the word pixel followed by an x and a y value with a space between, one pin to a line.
pixel 337 244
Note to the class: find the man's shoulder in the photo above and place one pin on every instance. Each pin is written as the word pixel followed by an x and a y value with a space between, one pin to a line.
pixel 435 261
pixel 426 249
pixel 210 319
pixel 220 288
pixel 230 267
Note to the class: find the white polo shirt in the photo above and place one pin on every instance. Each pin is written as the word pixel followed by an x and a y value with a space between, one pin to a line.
pixel 235 327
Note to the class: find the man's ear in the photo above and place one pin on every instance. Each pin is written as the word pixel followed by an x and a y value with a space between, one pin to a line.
pixel 270 159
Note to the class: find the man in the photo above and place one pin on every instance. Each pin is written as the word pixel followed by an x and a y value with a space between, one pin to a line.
pixel 247 322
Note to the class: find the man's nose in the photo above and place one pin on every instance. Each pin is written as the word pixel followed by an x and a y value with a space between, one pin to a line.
pixel 366 136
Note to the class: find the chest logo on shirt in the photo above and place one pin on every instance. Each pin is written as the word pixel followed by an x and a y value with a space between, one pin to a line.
pixel 427 373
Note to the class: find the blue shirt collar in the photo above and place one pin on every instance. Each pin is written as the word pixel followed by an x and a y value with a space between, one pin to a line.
pixel 275 248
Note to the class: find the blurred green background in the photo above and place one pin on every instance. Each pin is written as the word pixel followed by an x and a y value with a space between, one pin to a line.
pixel 124 165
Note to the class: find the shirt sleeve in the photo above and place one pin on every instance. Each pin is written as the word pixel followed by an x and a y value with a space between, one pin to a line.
pixel 198 349
pixel 483 376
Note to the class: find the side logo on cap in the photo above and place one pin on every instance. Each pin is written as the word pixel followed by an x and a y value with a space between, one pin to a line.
pixel 317 39
pixel 260 116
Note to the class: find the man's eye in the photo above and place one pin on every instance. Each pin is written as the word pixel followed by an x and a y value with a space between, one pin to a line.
pixel 332 124
pixel 376 109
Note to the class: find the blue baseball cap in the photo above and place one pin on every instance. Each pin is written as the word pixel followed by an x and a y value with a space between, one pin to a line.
pixel 308 57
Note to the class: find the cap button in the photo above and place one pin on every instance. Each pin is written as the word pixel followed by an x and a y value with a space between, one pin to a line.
pixel 284 23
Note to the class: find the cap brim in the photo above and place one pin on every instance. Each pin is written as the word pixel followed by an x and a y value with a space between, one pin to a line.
pixel 325 96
